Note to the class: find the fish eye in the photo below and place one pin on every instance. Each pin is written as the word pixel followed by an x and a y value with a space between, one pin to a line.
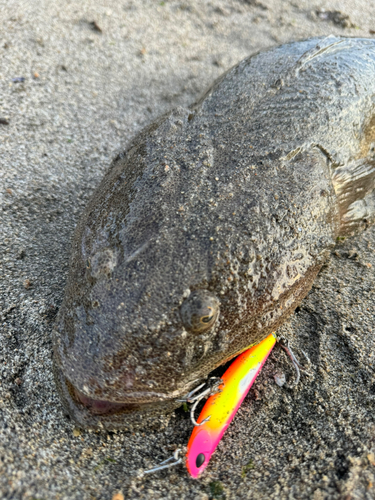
pixel 199 311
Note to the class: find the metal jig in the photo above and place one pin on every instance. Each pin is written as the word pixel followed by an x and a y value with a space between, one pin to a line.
pixel 222 407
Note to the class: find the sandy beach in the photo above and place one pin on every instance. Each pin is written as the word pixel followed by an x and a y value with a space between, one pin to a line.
pixel 78 80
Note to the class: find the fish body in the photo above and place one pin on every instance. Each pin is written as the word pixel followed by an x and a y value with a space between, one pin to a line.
pixel 209 230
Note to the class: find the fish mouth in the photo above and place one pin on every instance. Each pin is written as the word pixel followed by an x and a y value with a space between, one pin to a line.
pixel 98 406
pixel 132 401
pixel 133 412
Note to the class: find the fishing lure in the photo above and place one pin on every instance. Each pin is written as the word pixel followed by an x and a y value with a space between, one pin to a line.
pixel 220 408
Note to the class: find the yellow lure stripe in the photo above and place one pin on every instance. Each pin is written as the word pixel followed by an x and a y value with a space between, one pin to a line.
pixel 222 407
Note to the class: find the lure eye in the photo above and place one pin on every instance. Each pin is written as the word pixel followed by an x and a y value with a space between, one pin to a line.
pixel 199 311
pixel 200 460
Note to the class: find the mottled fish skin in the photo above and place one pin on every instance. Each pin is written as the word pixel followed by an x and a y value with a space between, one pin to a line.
pixel 235 204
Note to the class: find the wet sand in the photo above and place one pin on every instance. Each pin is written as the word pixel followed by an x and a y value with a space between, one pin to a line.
pixel 77 81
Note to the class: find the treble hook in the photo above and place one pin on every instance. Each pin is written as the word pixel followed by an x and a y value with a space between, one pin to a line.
pixel 165 464
pixel 297 365
pixel 190 398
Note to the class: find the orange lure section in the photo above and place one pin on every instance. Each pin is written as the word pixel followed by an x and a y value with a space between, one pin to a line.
pixel 222 407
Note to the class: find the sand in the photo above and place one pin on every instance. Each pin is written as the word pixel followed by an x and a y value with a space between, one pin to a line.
pixel 78 80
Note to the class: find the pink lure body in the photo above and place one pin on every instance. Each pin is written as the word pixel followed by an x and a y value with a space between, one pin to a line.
pixel 222 407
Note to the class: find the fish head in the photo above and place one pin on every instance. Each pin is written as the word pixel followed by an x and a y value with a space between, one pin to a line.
pixel 141 322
